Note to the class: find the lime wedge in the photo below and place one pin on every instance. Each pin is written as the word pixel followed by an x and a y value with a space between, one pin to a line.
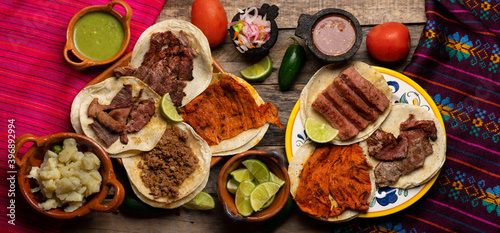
pixel 259 71
pixel 242 198
pixel 276 179
pixel 258 169
pixel 168 110
pixel 202 201
pixel 241 175
pixel 262 193
pixel 268 203
pixel 318 131
pixel 232 185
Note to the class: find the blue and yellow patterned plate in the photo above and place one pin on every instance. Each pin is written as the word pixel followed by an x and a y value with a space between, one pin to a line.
pixel 388 200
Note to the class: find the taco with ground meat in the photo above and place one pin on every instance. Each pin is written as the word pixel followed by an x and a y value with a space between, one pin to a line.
pixel 230 115
pixel 409 149
pixel 331 182
pixel 353 97
pixel 122 114
pixel 175 171
pixel 172 56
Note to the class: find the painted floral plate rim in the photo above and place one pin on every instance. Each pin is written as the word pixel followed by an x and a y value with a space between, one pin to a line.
pixel 388 200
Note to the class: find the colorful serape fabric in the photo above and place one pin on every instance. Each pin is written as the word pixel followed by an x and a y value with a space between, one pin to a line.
pixel 38 87
pixel 457 63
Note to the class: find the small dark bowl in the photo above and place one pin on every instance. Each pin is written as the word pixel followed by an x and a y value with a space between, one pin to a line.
pixel 305 27
pixel 271 12
pixel 34 157
pixel 275 161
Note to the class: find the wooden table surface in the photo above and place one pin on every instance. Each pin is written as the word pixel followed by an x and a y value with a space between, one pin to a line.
pixel 368 12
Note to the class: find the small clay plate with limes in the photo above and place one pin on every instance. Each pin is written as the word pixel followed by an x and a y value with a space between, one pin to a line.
pixel 258 163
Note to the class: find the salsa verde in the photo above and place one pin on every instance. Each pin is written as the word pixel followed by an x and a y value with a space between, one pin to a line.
pixel 98 35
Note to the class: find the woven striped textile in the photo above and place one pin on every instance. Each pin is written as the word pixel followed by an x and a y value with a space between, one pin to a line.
pixel 37 87
pixel 457 63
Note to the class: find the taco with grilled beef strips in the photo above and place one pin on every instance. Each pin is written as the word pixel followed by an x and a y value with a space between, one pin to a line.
pixel 230 115
pixel 122 114
pixel 172 56
pixel 353 98
pixel 408 149
pixel 172 173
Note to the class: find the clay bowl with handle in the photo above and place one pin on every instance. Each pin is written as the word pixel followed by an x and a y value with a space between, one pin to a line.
pixel 34 158
pixel 275 162
pixel 74 58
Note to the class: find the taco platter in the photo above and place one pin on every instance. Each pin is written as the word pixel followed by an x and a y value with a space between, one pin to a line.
pixel 404 91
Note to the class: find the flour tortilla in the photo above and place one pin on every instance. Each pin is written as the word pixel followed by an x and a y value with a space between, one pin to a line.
pixel 324 77
pixel 246 139
pixel 295 167
pixel 189 188
pixel 433 163
pixel 142 140
pixel 202 64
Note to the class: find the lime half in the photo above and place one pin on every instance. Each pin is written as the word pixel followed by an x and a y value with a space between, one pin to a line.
pixel 318 131
pixel 259 71
pixel 202 201
pixel 258 169
pixel 262 193
pixel 168 110
pixel 242 198
pixel 241 175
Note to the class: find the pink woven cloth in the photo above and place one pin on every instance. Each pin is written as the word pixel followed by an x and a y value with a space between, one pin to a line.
pixel 37 87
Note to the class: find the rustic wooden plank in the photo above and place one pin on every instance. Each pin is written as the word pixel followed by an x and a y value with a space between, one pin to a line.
pixel 368 12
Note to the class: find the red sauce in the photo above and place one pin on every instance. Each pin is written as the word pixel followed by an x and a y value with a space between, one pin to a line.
pixel 333 35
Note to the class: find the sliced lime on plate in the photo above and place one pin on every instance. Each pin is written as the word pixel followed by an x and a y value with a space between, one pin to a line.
pixel 168 110
pixel 232 185
pixel 258 169
pixel 318 131
pixel 242 198
pixel 262 193
pixel 241 175
pixel 259 71
pixel 276 179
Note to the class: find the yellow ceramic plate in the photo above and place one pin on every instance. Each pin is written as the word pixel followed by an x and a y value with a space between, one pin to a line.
pixel 388 200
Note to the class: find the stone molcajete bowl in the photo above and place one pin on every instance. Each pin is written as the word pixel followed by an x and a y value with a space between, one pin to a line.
pixel 305 29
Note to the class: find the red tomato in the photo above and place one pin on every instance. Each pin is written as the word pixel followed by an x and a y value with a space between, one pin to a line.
pixel 210 17
pixel 389 42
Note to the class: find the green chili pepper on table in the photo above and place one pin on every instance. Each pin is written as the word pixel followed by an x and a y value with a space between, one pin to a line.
pixel 292 62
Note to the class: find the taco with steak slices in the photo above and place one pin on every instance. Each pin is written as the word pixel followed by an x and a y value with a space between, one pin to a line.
pixel 230 115
pixel 172 56
pixel 331 182
pixel 409 149
pixel 174 171
pixel 122 114
pixel 353 98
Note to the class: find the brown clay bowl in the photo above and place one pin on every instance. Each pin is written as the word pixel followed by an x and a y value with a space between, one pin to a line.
pixel 275 162
pixel 76 59
pixel 34 157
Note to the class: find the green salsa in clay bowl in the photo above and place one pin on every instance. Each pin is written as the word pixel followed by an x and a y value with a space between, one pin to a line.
pixel 97 35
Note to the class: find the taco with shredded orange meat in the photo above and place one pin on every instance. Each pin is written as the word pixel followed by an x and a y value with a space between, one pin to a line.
pixel 330 182
pixel 230 115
